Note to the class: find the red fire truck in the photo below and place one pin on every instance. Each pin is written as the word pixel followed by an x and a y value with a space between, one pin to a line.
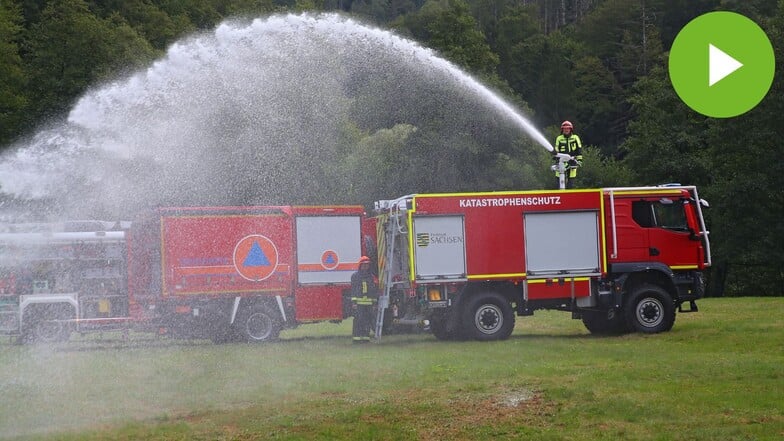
pixel 227 273
pixel 620 259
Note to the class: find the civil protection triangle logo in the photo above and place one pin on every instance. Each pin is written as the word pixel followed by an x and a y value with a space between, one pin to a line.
pixel 255 257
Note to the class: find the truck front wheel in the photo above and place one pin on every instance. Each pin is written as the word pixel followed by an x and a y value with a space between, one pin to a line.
pixel 488 316
pixel 650 310
pixel 260 324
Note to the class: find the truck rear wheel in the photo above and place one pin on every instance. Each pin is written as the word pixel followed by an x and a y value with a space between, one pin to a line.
pixel 220 330
pixel 603 322
pixel 650 310
pixel 46 323
pixel 259 324
pixel 50 331
pixel 444 327
pixel 488 316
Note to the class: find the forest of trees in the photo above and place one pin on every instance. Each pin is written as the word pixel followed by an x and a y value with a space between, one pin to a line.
pixel 601 64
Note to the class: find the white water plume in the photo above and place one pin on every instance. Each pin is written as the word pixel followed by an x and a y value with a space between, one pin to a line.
pixel 245 114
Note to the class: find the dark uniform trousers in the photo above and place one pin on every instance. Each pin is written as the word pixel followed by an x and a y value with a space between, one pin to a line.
pixel 364 297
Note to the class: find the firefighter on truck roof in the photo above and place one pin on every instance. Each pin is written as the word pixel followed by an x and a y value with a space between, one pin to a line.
pixel 364 295
pixel 568 142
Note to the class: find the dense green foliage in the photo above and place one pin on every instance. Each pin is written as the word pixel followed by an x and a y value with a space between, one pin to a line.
pixel 599 63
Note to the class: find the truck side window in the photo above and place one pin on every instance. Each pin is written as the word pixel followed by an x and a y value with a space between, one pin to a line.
pixel 642 213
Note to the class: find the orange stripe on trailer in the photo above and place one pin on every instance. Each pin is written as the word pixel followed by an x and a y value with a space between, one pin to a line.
pixel 221 270
pixel 204 270
pixel 218 294
pixel 310 267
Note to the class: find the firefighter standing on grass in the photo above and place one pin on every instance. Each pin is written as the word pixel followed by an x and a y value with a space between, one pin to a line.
pixel 364 295
pixel 569 143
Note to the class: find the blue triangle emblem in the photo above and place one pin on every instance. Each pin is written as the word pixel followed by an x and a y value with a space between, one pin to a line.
pixel 256 257
pixel 330 260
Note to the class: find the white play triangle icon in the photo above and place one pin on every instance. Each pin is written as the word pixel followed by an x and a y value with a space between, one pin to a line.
pixel 720 65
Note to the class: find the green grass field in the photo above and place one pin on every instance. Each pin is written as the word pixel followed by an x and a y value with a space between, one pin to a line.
pixel 718 375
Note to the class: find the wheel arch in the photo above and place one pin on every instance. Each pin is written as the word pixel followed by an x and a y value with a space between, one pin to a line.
pixel 273 303
pixel 60 307
pixel 506 289
pixel 653 273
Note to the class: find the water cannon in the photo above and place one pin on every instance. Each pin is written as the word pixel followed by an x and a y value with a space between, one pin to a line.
pixel 400 204
pixel 562 167
pixel 563 157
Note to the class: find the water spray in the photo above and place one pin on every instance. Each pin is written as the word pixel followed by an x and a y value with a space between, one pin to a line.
pixel 237 116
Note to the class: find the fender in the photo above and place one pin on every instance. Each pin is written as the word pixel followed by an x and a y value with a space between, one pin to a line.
pixel 624 270
pixel 47 299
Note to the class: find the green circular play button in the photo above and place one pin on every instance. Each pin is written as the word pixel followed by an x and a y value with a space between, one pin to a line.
pixel 721 64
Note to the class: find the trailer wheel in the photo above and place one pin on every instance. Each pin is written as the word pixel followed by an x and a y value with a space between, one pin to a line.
pixel 604 322
pixel 260 324
pixel 488 316
pixel 46 324
pixel 650 310
pixel 220 330
pixel 50 331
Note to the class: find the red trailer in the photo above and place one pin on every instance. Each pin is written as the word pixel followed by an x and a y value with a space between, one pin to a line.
pixel 224 273
pixel 618 258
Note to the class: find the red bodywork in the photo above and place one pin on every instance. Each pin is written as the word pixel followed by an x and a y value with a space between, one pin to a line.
pixel 675 248
pixel 180 255
pixel 494 229
pixel 495 236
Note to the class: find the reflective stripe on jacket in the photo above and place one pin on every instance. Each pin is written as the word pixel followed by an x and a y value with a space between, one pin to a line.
pixel 363 300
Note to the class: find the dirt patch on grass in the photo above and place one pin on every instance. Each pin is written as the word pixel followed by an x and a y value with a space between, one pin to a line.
pixel 460 416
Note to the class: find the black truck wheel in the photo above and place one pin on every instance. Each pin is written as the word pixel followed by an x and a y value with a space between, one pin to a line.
pixel 650 310
pixel 50 331
pixel 438 328
pixel 445 327
pixel 219 329
pixel 47 323
pixel 260 323
pixel 603 322
pixel 488 316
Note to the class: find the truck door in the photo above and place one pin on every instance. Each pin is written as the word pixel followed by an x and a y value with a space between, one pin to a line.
pixel 670 237
pixel 328 248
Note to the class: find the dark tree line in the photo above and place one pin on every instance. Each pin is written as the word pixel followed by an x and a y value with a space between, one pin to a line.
pixel 600 63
